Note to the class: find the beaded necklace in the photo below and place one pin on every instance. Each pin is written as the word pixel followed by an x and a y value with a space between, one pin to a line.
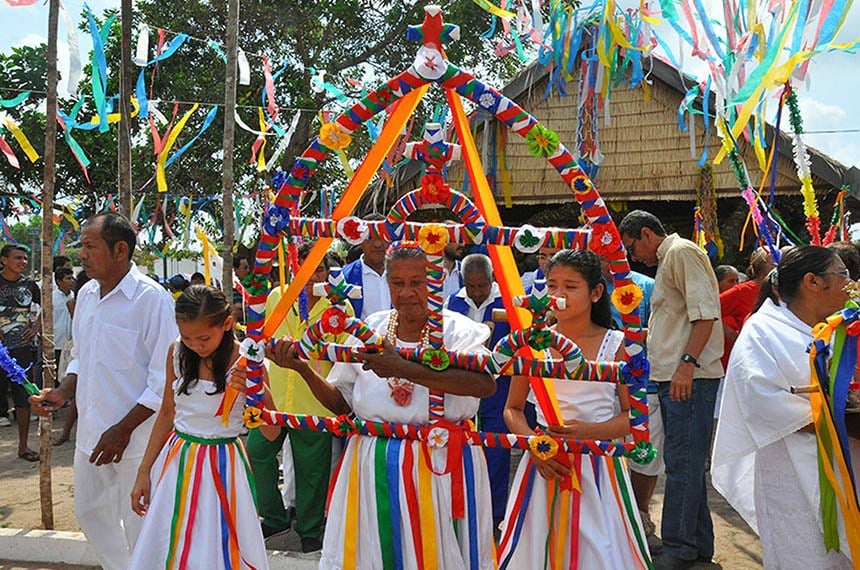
pixel 401 389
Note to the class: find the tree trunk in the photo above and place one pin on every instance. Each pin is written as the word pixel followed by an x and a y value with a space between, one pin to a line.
pixel 124 137
pixel 48 370
pixel 227 147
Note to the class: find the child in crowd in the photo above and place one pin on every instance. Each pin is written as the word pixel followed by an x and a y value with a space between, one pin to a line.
pixel 194 484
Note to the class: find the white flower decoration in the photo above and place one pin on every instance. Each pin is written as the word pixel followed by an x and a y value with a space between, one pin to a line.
pixel 437 437
pixel 353 230
pixel 487 100
pixel 529 239
pixel 253 350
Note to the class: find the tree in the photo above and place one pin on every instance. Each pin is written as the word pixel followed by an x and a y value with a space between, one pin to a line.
pixel 362 39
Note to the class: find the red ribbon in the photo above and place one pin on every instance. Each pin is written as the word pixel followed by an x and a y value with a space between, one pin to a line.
pixel 453 462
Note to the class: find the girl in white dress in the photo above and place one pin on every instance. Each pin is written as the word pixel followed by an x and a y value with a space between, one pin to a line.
pixel 545 525
pixel 194 485
pixel 392 502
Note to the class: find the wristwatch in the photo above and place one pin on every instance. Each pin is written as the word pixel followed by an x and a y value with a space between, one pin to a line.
pixel 691 359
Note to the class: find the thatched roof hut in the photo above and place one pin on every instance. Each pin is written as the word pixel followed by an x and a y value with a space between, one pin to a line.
pixel 647 157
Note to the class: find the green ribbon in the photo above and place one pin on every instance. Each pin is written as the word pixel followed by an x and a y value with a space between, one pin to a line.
pixel 383 506
pixel 204 440
pixel 177 501
pixel 620 475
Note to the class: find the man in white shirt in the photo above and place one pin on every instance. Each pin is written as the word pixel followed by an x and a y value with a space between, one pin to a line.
pixel 64 301
pixel 368 272
pixel 477 299
pixel 124 324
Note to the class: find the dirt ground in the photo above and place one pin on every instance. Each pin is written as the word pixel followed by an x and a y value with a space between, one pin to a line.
pixel 737 546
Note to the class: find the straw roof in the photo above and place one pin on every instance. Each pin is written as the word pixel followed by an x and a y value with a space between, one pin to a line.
pixel 647 156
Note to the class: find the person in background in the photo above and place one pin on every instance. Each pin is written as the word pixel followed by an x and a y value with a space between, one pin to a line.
pixel 307 454
pixel 766 459
pixel 478 298
pixel 643 478
pixel 241 269
pixel 198 278
pixel 543 256
pixel 727 277
pixel 81 279
pixel 18 334
pixel 61 261
pixel 64 305
pixel 453 275
pixel 368 272
pixel 685 343
pixel 123 326
pixel 849 255
pixel 736 304
pixel 176 285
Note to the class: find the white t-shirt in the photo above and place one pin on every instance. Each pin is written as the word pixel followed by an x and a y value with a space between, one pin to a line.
pixel 62 318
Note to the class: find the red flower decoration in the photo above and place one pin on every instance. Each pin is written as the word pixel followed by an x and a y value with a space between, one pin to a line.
pixel 434 189
pixel 352 229
pixel 853 329
pixel 334 321
pixel 605 240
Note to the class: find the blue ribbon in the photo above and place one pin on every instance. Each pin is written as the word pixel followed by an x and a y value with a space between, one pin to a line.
pixel 392 470
pixel 207 122
pixel 140 89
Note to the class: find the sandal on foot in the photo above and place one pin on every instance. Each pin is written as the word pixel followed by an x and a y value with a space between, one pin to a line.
pixel 29 455
pixel 60 440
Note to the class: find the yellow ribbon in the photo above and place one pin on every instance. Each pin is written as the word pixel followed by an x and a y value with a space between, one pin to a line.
pixel 160 177
pixel 207 252
pixel 426 511
pixel 350 546
pixel 282 273
pixel 261 160
pixel 117 117
pixel 21 138
pixel 495 10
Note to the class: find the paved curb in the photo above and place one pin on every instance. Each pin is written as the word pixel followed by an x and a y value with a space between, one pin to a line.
pixel 62 547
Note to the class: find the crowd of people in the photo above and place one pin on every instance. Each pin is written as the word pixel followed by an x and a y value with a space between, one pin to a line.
pixel 162 475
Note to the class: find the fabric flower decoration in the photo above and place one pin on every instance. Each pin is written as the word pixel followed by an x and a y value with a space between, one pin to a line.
pixel 276 220
pixel 854 328
pixel 605 240
pixel 540 339
pixel 436 359
pixel 345 427
pixel 278 179
pixel 255 285
pixel 581 185
pixel 528 239
pixel 334 321
pixel 385 96
pixel 434 189
pixel 301 172
pixel 253 417
pixel 253 350
pixel 437 437
pixel 433 238
pixel 626 298
pixel 542 142
pixel 487 100
pixel 333 136
pixel 643 453
pixel 543 447
pixel 353 230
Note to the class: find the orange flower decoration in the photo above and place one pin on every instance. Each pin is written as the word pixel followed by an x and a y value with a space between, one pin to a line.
pixel 433 238
pixel 253 417
pixel 334 137
pixel 626 298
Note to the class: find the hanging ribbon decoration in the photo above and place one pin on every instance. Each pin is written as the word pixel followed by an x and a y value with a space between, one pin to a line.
pixel 140 89
pixel 98 79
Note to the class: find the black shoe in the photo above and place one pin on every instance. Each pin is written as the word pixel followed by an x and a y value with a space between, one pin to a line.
pixel 271 531
pixel 667 562
pixel 655 545
pixel 312 544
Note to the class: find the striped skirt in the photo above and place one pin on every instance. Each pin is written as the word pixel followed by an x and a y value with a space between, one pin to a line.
pixel 548 527
pixel 391 505
pixel 202 512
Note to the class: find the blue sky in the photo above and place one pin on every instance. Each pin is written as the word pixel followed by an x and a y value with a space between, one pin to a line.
pixel 828 101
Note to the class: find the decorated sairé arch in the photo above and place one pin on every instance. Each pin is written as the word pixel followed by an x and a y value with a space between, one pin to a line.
pixel 402 94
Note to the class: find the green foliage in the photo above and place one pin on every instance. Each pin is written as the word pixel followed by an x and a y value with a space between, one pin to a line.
pixel 362 39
